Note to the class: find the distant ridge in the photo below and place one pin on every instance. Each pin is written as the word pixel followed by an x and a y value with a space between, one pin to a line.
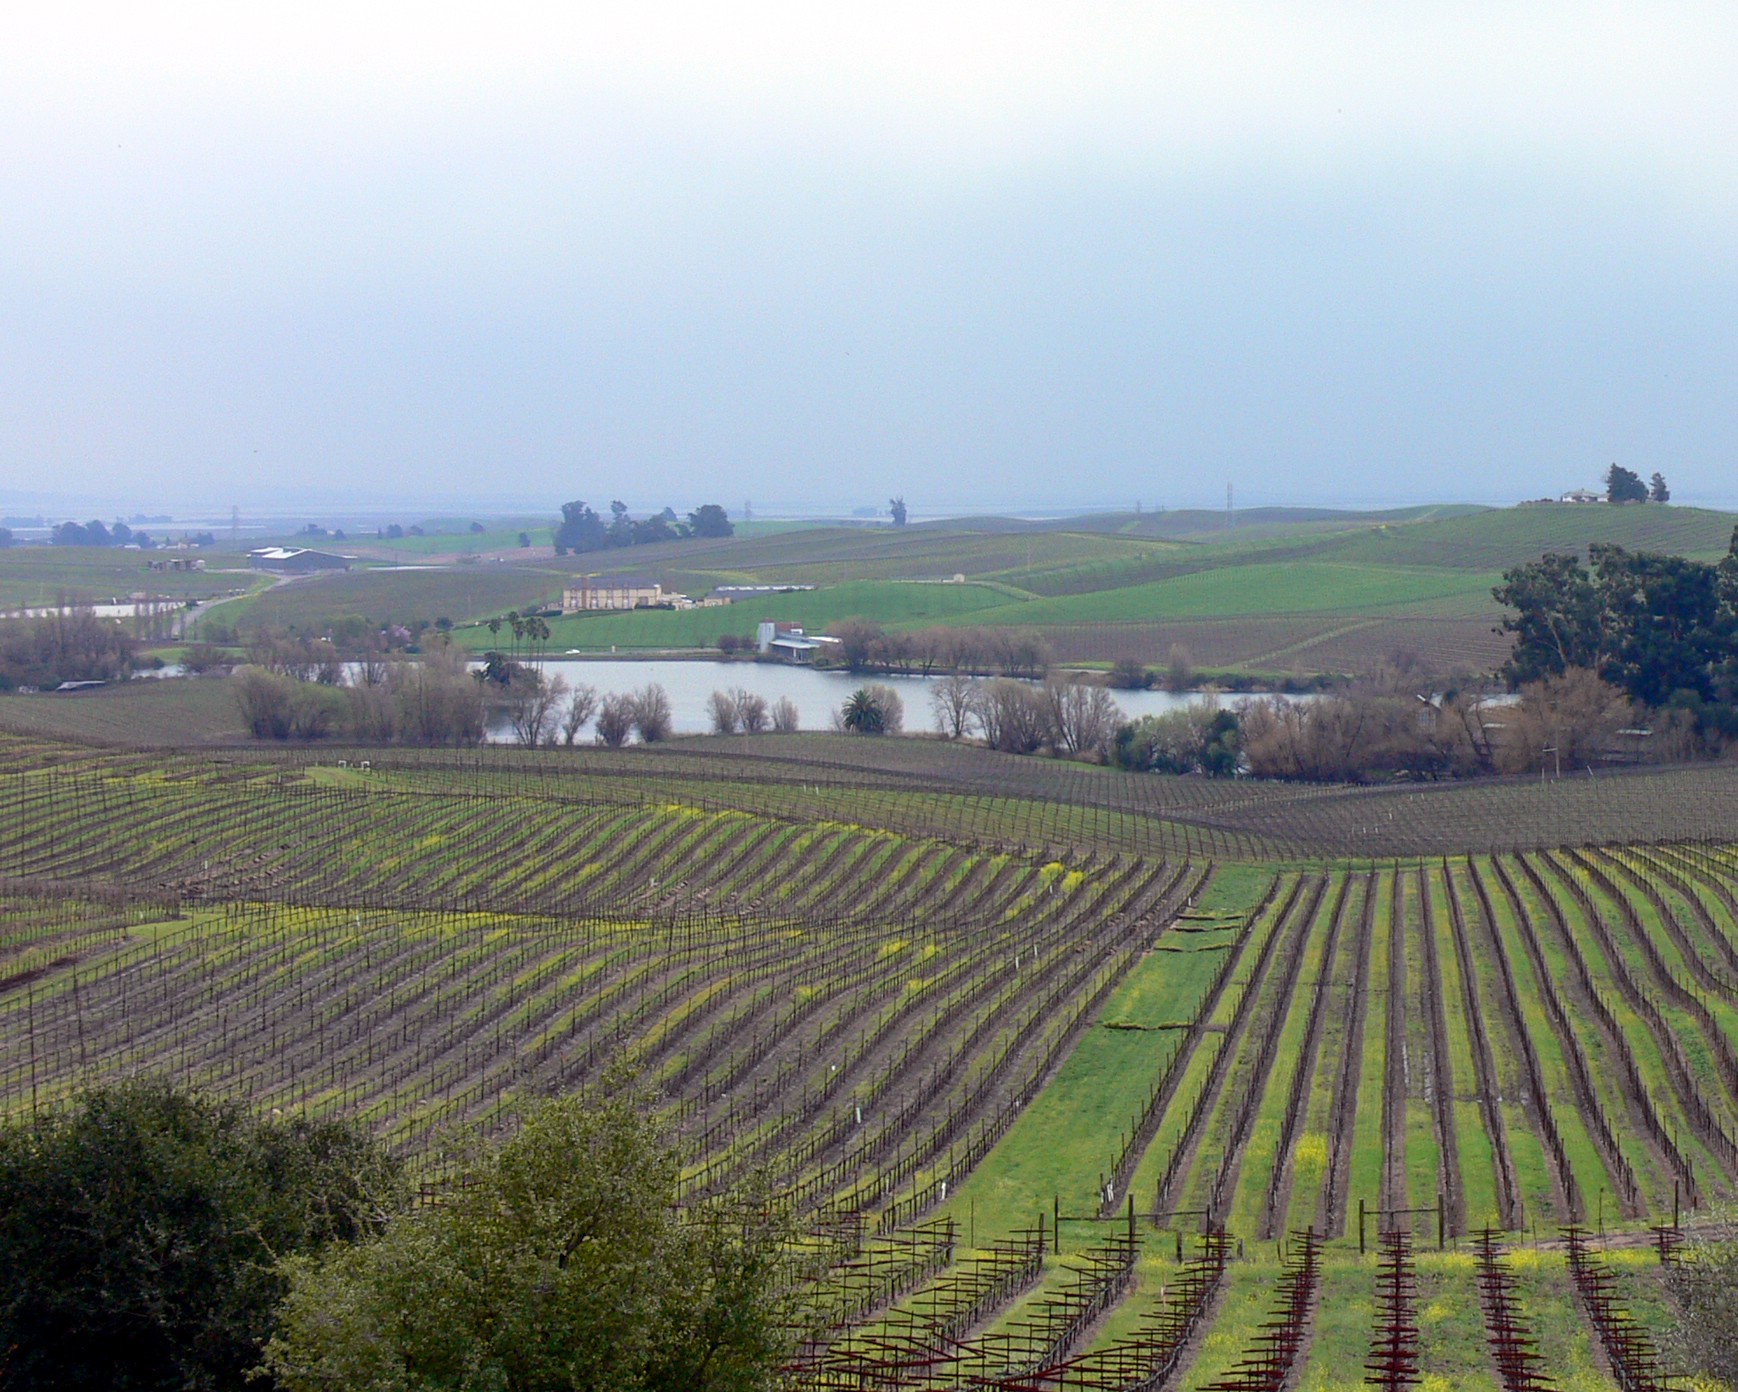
pixel 1189 523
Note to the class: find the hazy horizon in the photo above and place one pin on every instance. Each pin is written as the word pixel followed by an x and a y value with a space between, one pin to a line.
pixel 1005 258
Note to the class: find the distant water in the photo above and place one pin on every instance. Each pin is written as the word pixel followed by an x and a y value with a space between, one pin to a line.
pixel 815 693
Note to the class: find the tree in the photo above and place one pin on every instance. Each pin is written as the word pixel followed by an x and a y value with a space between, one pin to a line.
pixel 1557 625
pixel 615 719
pixel 721 710
pixel 581 703
pixel 580 529
pixel 1019 652
pixel 1704 1288
pixel 873 710
pixel 65 644
pixel 652 715
pixel 1623 486
pixel 896 506
pixel 1657 490
pixel 1130 674
pixel 663 526
pixel 531 705
pixel 857 639
pixel 620 531
pixel 5 537
pixel 752 713
pixel 1179 668
pixel 1080 717
pixel 435 701
pixel 862 714
pixel 561 1264
pixel 1667 630
pixel 141 1226
pixel 1165 744
pixel 710 520
pixel 1011 716
pixel 785 719
pixel 1562 722
pixel 952 699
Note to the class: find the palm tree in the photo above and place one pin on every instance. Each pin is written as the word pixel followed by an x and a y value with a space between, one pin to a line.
pixel 862 713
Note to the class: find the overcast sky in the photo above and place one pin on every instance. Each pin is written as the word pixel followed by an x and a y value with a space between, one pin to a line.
pixel 982 255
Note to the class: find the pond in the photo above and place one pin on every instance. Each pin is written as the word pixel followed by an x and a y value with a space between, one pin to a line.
pixel 816 693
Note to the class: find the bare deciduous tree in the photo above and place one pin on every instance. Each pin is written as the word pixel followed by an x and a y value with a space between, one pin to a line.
pixel 952 699
pixel 1010 715
pixel 721 710
pixel 615 719
pixel 857 640
pixel 652 715
pixel 785 719
pixel 1562 722
pixel 1080 717
pixel 531 705
pixel 581 704
pixel 1179 668
pixel 751 712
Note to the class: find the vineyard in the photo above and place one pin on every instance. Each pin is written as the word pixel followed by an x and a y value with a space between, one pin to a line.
pixel 1071 1079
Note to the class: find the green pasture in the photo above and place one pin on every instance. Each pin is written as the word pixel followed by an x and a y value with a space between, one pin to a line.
pixel 1262 588
pixel 1061 1145
pixel 1502 537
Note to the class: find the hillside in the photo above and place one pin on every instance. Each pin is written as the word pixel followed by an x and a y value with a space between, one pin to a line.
pixel 1285 591
pixel 1063 1075
pixel 1496 539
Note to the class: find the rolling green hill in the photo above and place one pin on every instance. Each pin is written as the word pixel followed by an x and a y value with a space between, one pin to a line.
pixel 1497 539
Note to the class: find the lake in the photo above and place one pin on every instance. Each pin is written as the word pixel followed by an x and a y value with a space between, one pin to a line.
pixel 817 693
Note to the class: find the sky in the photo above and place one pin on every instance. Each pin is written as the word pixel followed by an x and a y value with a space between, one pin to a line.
pixel 983 256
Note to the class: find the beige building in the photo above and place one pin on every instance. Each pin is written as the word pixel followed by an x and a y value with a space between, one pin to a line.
pixel 587 592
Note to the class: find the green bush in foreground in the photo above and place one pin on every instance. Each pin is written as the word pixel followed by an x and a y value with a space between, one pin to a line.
pixel 1704 1287
pixel 140 1230
pixel 562 1263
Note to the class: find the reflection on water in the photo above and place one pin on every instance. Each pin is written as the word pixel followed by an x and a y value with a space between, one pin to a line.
pixel 816 694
